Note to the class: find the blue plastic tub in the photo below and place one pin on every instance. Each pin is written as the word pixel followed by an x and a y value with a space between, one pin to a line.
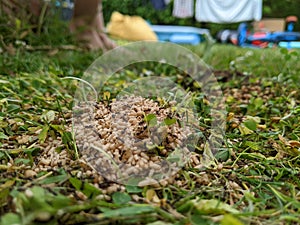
pixel 192 39
pixel 181 34
pixel 292 44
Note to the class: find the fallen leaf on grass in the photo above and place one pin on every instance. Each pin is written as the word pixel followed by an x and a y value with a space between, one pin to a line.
pixel 10 218
pixel 121 198
pixel 291 143
pixel 294 143
pixel 253 145
pixel 43 134
pixel 3 136
pixel 87 189
pixel 24 139
pixel 290 147
pixel 213 206
pixel 4 191
pixel 230 220
pixel 244 130
pixel 283 140
pixel 128 211
pixel 48 116
pixel 151 196
pixel 207 207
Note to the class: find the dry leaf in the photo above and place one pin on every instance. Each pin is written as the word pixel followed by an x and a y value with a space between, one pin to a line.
pixel 151 196
pixel 294 143
pixel 230 116
pixel 283 140
pixel 23 139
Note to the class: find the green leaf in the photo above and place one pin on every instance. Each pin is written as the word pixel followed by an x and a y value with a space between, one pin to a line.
pixel 212 206
pixel 44 133
pixel 4 191
pixel 48 116
pixel 255 118
pixel 13 108
pixel 18 24
pixel 253 156
pixel 223 154
pixel 252 145
pixel 4 197
pixel 258 102
pixel 251 124
pixel 151 120
pixel 1 154
pixel 31 151
pixel 90 190
pixel 229 219
pixel 3 136
pixel 77 184
pixel 22 161
pixel 39 192
pixel 86 188
pixel 10 218
pixel 67 137
pixel 244 130
pixel 59 128
pixel 174 157
pixel 120 198
pixel 61 201
pixel 197 219
pixel 54 179
pixel 169 121
pixel 129 211
pixel 133 189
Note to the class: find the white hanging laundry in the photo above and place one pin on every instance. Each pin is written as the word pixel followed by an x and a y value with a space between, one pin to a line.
pixel 167 2
pixel 183 8
pixel 228 11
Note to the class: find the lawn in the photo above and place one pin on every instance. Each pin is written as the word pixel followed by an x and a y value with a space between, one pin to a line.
pixel 253 177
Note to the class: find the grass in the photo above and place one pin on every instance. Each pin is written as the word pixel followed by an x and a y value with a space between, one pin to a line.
pixel 255 180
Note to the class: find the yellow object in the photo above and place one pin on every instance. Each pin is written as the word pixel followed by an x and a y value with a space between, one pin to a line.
pixel 131 28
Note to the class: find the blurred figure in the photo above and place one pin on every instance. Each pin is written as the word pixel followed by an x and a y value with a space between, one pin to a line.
pixel 87 23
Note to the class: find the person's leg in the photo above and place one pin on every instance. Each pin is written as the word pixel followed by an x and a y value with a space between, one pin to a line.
pixel 81 24
pixel 109 44
pixel 87 23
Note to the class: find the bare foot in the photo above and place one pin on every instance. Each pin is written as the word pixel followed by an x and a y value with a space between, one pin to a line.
pixel 99 25
pixel 91 39
pixel 92 33
pixel 108 43
pixel 85 34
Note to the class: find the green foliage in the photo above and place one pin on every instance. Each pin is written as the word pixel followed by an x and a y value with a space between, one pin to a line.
pixel 23 29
